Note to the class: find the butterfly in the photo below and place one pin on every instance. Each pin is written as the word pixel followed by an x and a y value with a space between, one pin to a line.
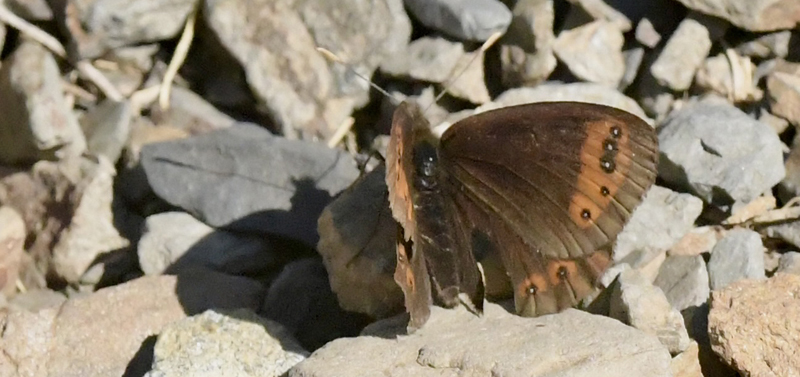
pixel 544 188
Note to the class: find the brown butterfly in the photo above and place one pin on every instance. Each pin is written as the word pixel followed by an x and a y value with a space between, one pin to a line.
pixel 544 187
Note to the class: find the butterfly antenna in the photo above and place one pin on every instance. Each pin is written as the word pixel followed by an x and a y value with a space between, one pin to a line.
pixel 332 57
pixel 485 46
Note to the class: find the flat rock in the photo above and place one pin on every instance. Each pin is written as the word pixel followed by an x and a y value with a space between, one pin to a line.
pixel 305 95
pixel 470 20
pixel 784 96
pixel 243 178
pixel 684 280
pixel 526 53
pixel 754 328
pixel 107 127
pixel 110 327
pixel 37 300
pixel 301 300
pixel 190 112
pixel 771 45
pixel 172 241
pixel 458 343
pixel 752 15
pixel 683 54
pixel 739 255
pixel 96 26
pixel 788 232
pixel 230 343
pixel 12 247
pixel 593 52
pixel 36 123
pixel 635 301
pixel 789 263
pixel 661 220
pixel 719 153
pixel 430 58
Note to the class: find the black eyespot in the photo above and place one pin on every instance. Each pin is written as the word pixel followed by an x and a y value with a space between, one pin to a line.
pixel 610 145
pixel 607 165
pixel 616 132
pixel 585 214
pixel 604 190
pixel 562 273
pixel 532 290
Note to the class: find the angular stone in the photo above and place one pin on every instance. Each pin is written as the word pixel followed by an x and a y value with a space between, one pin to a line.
pixel 754 328
pixel 107 128
pixel 684 281
pixel 752 15
pixel 470 20
pixel 526 53
pixel 593 52
pixel 739 255
pixel 190 112
pixel 12 247
pixel 784 96
pixel 790 263
pixel 430 59
pixel 683 54
pixel 36 123
pixel 773 45
pixel 646 34
pixel 687 363
pixel 230 343
pixel 456 342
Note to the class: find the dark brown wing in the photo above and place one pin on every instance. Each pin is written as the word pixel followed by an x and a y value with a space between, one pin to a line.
pixel 437 265
pixel 550 185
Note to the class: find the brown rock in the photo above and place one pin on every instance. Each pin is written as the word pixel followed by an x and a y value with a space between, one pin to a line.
pixel 12 242
pixel 784 96
pixel 754 327
pixel 752 15
pixel 687 363
pixel 99 334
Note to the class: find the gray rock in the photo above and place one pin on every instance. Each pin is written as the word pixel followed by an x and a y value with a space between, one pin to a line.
pixel 640 304
pixel 593 52
pixel 646 33
pixel 469 80
pixel 752 15
pixel 684 281
pixel 37 300
pixel 31 10
pixel 683 54
pixel 661 220
pixel 92 231
pixel 243 178
pixel 719 153
pixel 469 20
pixel 188 111
pixel 526 54
pixel 715 75
pixel 303 93
pixel 788 232
pixel 300 299
pixel 12 248
pixel 456 342
pixel 96 26
pixel 772 45
pixel 582 92
pixel 234 343
pixel 739 255
pixel 633 62
pixel 173 241
pixel 789 263
pixel 430 58
pixel 36 123
pixel 357 243
pixel 597 10
pixel 107 127
pixel 784 95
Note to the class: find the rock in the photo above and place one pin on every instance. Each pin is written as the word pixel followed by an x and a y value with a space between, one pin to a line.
pixel 719 153
pixel 633 61
pixel 582 92
pixel 760 15
pixel 173 241
pixel 772 45
pixel 36 124
pixel 470 20
pixel 245 179
pixel 300 299
pixel 31 10
pixel 636 302
pixel 788 232
pixel 572 343
pixel 107 128
pixel 646 33
pixel 111 328
pixel 469 82
pixel 655 98
pixel 92 228
pixel 739 255
pixel 526 52
pixel 37 300
pixel 753 326
pixel 303 93
pixel 593 52
pixel 789 263
pixel 684 281
pixel 235 343
pixel 777 123
pixel 717 75
pixel 683 54
pixel 687 363
pixel 357 244
pixel 599 10
pixel 12 247
pixel 661 220
pixel 431 59
pixel 190 112
pixel 784 96
pixel 3 32
pixel 698 241
pixel 94 27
